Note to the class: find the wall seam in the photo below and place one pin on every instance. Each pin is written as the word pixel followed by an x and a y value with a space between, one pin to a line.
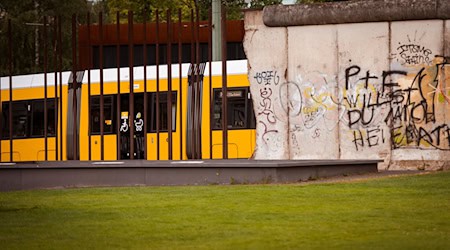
pixel 287 93
pixel 444 72
pixel 337 92
pixel 391 125
pixel 444 47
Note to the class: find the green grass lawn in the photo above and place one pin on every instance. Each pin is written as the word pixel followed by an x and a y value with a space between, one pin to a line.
pixel 394 213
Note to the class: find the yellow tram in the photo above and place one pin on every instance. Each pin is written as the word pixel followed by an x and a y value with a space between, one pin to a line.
pixel 28 141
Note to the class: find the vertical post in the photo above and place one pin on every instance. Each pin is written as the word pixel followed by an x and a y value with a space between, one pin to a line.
pixel 1 115
pixel 89 85
pixel 60 89
pixel 180 27
pixel 10 59
pixel 118 114
pixel 198 142
pixel 55 100
pixel 210 87
pixel 45 90
pixel 193 97
pixel 157 84
pixel 130 64
pixel 74 84
pixel 216 29
pixel 36 37
pixel 102 99
pixel 145 85
pixel 224 86
pixel 169 83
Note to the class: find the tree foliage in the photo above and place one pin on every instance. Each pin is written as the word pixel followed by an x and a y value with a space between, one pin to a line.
pixel 27 18
pixel 141 7
pixel 317 1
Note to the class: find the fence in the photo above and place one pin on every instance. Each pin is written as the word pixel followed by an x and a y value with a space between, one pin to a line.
pixel 59 118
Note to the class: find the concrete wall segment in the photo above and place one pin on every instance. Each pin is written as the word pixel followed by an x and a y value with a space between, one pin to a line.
pixel 386 83
pixel 355 12
pixel 363 50
pixel 268 49
pixel 416 48
pixel 313 115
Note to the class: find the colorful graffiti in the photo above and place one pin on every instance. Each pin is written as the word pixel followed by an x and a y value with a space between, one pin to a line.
pixel 399 107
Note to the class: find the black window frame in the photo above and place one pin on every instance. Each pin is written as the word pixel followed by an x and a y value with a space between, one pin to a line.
pixel 30 120
pixel 92 123
pixel 249 115
pixel 151 126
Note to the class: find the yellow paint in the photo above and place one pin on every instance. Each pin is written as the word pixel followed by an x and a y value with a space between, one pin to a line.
pixel 33 149
pixel 241 142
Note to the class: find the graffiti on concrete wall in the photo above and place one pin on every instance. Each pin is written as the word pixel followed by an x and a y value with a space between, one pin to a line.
pixel 407 105
pixel 400 107
pixel 267 80
pixel 412 52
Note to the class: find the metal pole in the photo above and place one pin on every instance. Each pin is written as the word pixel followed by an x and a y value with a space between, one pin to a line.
pixel 224 86
pixel 55 100
pixel 89 85
pixel 119 114
pixel 10 59
pixel 45 90
pixel 157 84
pixel 145 85
pixel 198 140
pixel 217 30
pixel 1 117
pixel 191 112
pixel 169 83
pixel 74 84
pixel 180 27
pixel 131 62
pixel 60 88
pixel 102 99
pixel 210 87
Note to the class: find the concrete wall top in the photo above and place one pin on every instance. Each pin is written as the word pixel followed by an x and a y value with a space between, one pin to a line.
pixel 355 12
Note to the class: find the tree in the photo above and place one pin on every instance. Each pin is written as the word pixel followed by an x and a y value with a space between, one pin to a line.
pixel 148 8
pixel 234 7
pixel 27 18
pixel 318 1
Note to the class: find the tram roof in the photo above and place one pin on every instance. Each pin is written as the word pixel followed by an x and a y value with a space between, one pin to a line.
pixel 237 67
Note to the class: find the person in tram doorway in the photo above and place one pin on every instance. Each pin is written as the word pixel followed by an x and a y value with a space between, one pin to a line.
pixel 139 136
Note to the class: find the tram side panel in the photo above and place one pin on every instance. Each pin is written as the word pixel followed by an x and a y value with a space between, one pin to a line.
pixel 240 118
pixel 28 124
pixel 160 124
pixel 90 121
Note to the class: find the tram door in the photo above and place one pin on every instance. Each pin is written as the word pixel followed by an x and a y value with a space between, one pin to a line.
pixel 136 123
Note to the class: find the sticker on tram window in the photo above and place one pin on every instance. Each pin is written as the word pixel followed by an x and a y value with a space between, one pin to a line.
pixel 233 93
pixel 108 122
pixel 124 115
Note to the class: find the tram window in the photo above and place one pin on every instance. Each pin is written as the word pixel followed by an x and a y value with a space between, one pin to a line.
pixel 28 118
pixel 162 111
pixel 108 115
pixel 5 120
pixel 239 109
pixel 37 121
pixel 20 119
